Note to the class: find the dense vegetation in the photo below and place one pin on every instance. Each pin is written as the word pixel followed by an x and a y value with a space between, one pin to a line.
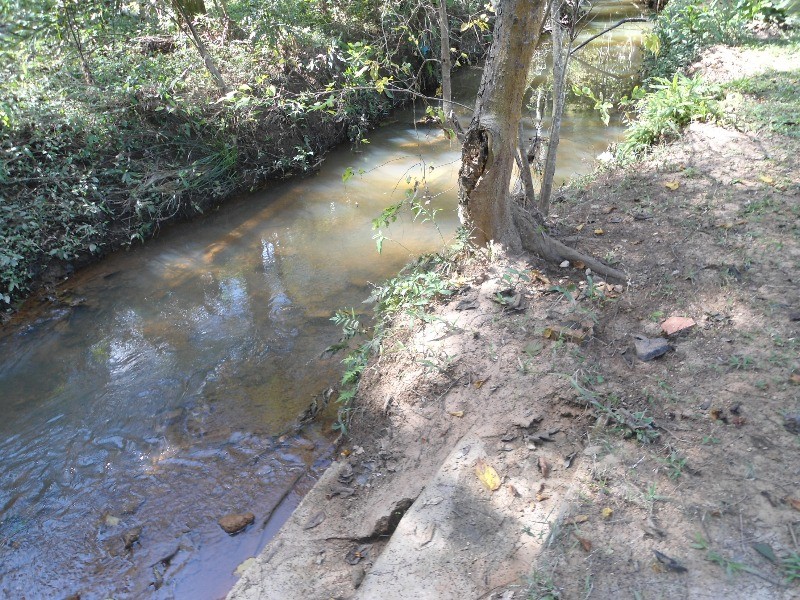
pixel 116 117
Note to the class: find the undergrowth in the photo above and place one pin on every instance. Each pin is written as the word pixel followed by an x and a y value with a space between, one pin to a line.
pixel 429 278
pixel 111 126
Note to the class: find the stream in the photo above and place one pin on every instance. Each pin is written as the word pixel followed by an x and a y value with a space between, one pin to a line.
pixel 161 393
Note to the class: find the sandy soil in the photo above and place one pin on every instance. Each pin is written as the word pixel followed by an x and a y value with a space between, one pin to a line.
pixel 609 476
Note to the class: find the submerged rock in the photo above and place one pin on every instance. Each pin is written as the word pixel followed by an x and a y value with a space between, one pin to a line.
pixel 234 523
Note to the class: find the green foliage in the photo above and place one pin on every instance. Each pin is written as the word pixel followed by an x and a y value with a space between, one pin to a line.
pixel 791 568
pixel 770 102
pixel 88 167
pixel 685 27
pixel 672 105
pixel 412 292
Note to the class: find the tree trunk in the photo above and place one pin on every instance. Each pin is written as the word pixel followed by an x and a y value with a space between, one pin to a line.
pixel 447 65
pixel 491 142
pixel 186 20
pixel 190 8
pixel 490 149
pixel 561 47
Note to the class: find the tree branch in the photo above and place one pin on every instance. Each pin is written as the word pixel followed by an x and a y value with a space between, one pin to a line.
pixel 605 31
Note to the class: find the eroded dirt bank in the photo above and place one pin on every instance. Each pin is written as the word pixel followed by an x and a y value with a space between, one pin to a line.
pixel 521 449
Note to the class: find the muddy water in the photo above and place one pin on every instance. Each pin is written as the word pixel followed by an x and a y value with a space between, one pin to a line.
pixel 157 397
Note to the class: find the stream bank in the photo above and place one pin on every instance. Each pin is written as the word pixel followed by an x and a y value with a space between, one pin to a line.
pixel 523 450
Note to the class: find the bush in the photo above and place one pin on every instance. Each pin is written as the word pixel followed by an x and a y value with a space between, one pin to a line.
pixel 685 27
pixel 672 104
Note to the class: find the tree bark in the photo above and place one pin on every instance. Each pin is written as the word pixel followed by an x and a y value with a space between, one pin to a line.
pixel 447 64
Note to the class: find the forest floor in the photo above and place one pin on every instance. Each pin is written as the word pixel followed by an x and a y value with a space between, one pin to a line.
pixel 513 444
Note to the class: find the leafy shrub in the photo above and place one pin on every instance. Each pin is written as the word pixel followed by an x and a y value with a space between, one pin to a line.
pixel 673 104
pixel 685 27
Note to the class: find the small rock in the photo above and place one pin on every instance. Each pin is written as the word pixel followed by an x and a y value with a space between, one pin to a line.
pixel 675 325
pixel 358 576
pixel 234 523
pixel 315 520
pixel 564 264
pixel 791 422
pixel 111 520
pixel 650 348
pixel 131 537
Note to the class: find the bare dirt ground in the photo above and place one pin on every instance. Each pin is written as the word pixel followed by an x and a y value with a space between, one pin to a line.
pixel 517 447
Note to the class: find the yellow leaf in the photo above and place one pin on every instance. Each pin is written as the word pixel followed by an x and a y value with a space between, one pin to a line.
pixel 457 413
pixel 487 475
pixel 607 512
pixel 579 227
pixel 576 520
pixel 480 382
pixel 766 179
pixel 672 185
pixel 599 231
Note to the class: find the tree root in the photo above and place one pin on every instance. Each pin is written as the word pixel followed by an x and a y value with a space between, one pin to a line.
pixel 534 239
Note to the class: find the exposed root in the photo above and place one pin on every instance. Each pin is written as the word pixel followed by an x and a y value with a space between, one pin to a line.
pixel 534 239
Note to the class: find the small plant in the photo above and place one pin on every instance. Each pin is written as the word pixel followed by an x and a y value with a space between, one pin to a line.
pixel 541 587
pixel 675 465
pixel 791 568
pixel 730 566
pixel 741 363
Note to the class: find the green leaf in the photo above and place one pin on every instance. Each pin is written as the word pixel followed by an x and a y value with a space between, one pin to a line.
pixel 766 551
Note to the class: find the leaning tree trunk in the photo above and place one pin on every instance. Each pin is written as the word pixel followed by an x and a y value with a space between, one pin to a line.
pixel 485 199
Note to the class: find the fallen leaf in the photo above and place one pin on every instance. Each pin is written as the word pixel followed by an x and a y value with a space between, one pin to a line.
pixel 670 563
pixel 609 209
pixel 487 475
pixel 579 264
pixel 577 519
pixel 795 378
pixel 794 502
pixel 766 551
pixel 579 227
pixel 457 413
pixel 244 566
pixel 544 467
pixel 542 496
pixel 672 185
pixel 585 543
pixel 766 179
pixel 480 382
pixel 599 231
pixel 607 512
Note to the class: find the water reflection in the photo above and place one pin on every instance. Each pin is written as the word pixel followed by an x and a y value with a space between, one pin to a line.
pixel 154 400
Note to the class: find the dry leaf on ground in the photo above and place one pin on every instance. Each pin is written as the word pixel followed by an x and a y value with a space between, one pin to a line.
pixel 487 475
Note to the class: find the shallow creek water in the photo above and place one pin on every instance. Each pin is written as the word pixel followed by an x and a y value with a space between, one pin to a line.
pixel 158 398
